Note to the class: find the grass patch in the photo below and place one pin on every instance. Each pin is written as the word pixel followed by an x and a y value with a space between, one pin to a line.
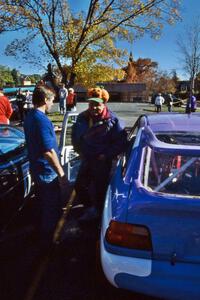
pixel 56 118
pixel 165 109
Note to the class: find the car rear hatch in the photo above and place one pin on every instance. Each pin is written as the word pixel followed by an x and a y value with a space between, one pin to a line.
pixel 174 225
pixel 166 199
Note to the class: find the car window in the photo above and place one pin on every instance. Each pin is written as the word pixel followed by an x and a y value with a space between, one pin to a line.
pixel 10 139
pixel 172 174
pixel 131 140
pixel 180 138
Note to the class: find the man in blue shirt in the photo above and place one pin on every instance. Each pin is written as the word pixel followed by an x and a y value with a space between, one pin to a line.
pixel 47 172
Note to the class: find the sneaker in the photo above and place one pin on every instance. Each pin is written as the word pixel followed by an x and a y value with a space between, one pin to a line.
pixel 90 214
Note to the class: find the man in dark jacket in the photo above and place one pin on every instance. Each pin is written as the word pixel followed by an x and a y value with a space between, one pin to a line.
pixel 21 99
pixel 98 137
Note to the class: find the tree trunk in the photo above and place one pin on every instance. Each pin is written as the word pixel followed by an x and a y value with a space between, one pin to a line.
pixel 72 79
pixel 64 74
pixel 192 85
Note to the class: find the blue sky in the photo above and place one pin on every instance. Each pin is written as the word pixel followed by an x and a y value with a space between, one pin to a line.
pixel 164 50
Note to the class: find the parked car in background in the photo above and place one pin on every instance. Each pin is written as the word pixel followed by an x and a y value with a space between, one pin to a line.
pixel 150 232
pixel 12 91
pixel 15 179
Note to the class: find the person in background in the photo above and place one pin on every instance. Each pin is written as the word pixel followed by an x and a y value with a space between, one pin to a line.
pixel 21 99
pixel 71 100
pixel 5 108
pixel 48 174
pixel 28 103
pixel 170 102
pixel 63 93
pixel 159 102
pixel 40 82
pixel 98 137
pixel 191 105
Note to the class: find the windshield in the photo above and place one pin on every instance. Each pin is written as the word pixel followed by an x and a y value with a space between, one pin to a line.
pixel 10 139
pixel 171 173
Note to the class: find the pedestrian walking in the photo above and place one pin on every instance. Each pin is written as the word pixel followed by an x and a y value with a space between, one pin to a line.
pixel 170 102
pixel 21 99
pixel 71 100
pixel 159 102
pixel 47 172
pixel 5 108
pixel 191 105
pixel 63 93
pixel 98 136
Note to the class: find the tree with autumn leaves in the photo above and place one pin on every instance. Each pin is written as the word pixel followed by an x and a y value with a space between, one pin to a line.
pixel 77 42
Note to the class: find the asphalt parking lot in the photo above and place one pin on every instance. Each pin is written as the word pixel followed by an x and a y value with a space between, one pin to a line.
pixel 68 271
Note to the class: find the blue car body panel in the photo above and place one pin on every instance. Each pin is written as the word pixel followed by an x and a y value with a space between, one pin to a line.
pixel 180 281
pixel 15 178
pixel 172 219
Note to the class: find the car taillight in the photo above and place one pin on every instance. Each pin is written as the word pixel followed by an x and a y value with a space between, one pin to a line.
pixel 129 235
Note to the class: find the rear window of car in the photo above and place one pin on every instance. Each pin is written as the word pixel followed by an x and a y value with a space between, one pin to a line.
pixel 10 139
pixel 180 138
pixel 171 174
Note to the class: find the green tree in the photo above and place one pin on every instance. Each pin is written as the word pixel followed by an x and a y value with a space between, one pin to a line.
pixel 5 75
pixel 34 78
pixel 68 38
pixel 90 75
pixel 16 76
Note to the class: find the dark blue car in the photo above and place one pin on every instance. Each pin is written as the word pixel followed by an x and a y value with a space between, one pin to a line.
pixel 150 234
pixel 15 179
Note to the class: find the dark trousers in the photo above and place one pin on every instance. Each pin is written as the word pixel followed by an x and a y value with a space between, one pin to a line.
pixel 158 108
pixel 20 105
pixel 169 108
pixel 49 207
pixel 92 182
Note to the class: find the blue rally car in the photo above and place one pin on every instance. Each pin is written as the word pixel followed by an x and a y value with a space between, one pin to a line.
pixel 150 234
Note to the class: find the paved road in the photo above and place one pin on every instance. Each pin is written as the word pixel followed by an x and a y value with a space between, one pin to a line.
pixel 128 112
pixel 70 271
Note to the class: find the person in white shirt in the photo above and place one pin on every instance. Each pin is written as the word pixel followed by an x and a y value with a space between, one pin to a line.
pixel 63 93
pixel 159 102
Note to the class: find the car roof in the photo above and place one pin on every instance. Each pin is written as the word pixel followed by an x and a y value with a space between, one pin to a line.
pixel 174 122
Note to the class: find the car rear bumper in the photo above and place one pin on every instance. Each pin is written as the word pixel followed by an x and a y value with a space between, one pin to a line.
pixel 152 277
pixel 158 278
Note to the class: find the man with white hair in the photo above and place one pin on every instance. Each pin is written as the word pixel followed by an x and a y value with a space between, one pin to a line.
pixel 159 102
